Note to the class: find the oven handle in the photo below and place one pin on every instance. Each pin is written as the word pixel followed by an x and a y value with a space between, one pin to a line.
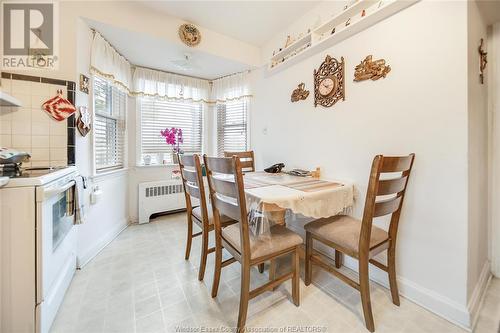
pixel 55 191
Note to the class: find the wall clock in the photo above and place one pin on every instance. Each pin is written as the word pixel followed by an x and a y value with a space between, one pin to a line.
pixel 329 80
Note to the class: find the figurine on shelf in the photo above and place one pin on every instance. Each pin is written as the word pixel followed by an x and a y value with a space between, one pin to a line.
pixel 348 22
pixel 274 53
pixel 288 41
pixel 363 13
pixel 333 31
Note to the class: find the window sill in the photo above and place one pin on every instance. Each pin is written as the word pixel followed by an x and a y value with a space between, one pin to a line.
pixel 109 173
pixel 169 165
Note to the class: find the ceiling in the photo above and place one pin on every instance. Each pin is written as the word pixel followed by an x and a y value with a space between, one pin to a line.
pixel 254 22
pixel 147 51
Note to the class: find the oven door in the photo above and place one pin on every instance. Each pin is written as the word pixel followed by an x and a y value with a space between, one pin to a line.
pixel 56 247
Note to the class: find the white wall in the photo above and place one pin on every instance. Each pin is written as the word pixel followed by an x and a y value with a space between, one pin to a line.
pixel 494 108
pixel 109 216
pixel 420 107
pixel 477 102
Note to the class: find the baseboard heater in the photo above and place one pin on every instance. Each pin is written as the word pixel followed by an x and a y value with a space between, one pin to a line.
pixel 160 197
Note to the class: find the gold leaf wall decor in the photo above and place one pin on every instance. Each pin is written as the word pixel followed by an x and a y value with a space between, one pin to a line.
pixel 300 93
pixel 370 69
pixel 483 60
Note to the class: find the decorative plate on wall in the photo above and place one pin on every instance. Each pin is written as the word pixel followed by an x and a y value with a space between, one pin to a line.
pixel 189 34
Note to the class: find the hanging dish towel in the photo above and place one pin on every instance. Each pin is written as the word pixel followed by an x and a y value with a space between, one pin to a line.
pixel 79 199
pixel 58 107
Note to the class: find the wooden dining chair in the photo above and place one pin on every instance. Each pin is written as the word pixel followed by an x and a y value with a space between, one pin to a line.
pixel 246 157
pixel 361 239
pixel 225 181
pixel 202 214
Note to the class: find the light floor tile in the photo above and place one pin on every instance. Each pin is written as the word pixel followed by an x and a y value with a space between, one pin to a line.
pixel 141 283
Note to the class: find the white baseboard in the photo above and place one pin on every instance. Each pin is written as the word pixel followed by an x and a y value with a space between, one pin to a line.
pixel 440 305
pixel 479 292
pixel 101 243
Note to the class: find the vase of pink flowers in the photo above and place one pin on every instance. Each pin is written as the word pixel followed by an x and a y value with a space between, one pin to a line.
pixel 173 137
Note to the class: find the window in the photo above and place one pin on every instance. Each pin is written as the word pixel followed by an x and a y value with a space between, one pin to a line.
pixel 232 126
pixel 109 126
pixel 158 114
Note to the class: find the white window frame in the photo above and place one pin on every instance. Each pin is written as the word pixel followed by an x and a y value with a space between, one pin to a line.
pixel 95 171
pixel 205 132
pixel 248 127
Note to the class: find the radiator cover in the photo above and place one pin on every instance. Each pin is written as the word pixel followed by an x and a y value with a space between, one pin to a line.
pixel 159 197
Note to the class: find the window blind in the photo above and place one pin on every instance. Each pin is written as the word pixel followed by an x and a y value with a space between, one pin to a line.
pixel 158 114
pixel 109 126
pixel 232 126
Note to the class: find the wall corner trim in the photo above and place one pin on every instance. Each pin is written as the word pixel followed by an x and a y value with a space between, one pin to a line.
pixel 477 297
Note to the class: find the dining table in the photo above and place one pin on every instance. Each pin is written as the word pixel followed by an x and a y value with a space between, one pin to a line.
pixel 271 197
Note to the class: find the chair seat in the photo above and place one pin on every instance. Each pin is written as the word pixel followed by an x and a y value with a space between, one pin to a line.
pixel 344 231
pixel 280 239
pixel 197 213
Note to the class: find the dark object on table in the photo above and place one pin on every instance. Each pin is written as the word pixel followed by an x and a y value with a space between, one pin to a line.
pixel 275 168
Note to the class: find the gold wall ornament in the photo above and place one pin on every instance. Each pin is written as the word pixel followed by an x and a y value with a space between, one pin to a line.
pixel 300 93
pixel 329 82
pixel 483 60
pixel 370 69
pixel 189 34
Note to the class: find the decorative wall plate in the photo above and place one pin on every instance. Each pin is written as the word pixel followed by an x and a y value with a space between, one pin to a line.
pixel 329 83
pixel 189 34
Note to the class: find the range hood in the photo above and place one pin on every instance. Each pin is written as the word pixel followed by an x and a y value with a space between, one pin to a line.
pixel 8 100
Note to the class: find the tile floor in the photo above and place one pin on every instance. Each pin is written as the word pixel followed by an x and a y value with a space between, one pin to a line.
pixel 489 316
pixel 141 283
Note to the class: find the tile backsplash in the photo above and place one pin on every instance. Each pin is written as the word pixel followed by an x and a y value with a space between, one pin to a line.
pixel 28 128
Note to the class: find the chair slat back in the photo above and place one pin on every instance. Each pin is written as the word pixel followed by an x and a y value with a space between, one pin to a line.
pixel 192 180
pixel 394 187
pixel 227 192
pixel 247 159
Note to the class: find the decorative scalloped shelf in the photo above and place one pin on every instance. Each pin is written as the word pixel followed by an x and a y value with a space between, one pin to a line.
pixel 374 13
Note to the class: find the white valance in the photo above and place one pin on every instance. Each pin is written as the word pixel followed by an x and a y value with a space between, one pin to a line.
pixel 148 82
pixel 107 62
pixel 231 87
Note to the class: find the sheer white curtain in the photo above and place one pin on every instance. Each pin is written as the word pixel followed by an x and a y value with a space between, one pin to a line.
pixel 108 63
pixel 231 87
pixel 148 82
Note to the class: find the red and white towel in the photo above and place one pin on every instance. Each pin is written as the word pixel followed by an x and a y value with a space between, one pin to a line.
pixel 58 107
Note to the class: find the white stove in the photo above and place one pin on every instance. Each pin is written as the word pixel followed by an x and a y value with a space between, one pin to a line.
pixel 35 176
pixel 38 245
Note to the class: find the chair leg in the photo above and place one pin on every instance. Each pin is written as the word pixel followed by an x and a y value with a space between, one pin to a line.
pixel 261 268
pixel 338 259
pixel 391 265
pixel 364 283
pixel 296 277
pixel 189 236
pixel 218 266
pixel 204 254
pixel 244 297
pixel 309 249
